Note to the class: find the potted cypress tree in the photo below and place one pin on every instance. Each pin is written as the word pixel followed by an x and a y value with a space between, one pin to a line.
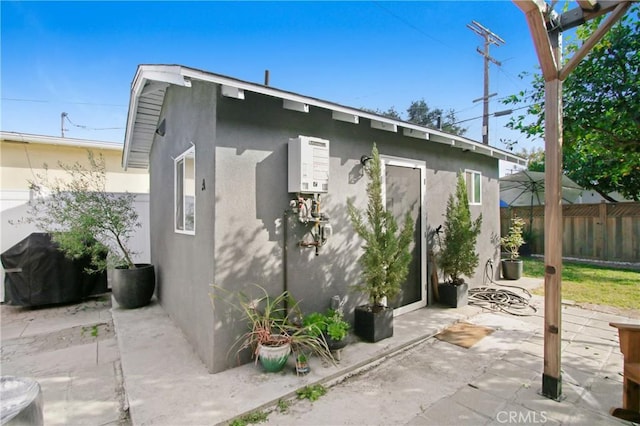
pixel 458 254
pixel 512 267
pixel 386 257
pixel 77 209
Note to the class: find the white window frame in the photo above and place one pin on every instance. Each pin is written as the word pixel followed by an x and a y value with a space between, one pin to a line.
pixel 182 179
pixel 471 189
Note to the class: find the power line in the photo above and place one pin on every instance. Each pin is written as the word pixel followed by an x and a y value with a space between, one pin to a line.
pixel 495 114
pixel 409 24
pixel 87 127
pixel 62 102
pixel 25 100
pixel 64 116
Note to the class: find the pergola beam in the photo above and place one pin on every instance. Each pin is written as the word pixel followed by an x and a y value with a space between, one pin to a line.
pixel 535 11
pixel 597 35
pixel 587 4
pixel 579 15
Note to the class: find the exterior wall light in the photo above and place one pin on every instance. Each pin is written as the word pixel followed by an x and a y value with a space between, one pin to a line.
pixel 364 160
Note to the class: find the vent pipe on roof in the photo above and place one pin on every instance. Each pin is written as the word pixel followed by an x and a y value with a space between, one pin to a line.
pixel 266 77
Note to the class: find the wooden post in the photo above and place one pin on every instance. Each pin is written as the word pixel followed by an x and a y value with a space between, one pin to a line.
pixel 551 378
pixel 548 45
pixel 601 241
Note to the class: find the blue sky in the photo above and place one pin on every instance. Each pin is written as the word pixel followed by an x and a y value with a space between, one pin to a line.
pixel 80 57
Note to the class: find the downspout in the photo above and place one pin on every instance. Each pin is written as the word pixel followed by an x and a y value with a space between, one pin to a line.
pixel 285 278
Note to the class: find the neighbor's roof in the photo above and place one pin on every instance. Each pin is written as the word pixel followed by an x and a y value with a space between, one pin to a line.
pixel 16 137
pixel 151 81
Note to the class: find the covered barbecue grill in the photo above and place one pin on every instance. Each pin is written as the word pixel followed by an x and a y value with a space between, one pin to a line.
pixel 37 273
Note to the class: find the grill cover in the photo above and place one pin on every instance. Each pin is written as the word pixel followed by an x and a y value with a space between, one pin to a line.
pixel 37 273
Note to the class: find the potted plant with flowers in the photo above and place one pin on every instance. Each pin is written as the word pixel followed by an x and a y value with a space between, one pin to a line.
pixel 512 267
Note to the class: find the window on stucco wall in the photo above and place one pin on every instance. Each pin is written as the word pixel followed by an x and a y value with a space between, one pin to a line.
pixel 473 181
pixel 185 192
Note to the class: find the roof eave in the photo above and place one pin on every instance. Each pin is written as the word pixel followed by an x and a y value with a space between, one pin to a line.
pixel 28 138
pixel 179 75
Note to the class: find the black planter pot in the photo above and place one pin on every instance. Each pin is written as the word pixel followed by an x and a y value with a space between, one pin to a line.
pixel 454 296
pixel 373 324
pixel 133 288
pixel 335 345
pixel 511 269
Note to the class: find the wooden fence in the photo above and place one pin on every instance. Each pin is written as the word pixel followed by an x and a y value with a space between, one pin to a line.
pixel 605 231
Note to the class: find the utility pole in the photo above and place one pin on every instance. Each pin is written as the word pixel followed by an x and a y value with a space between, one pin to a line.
pixel 62 129
pixel 489 39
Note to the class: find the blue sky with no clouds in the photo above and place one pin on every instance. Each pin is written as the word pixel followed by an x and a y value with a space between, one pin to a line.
pixel 80 57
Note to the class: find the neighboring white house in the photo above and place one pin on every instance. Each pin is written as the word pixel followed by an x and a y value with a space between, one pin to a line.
pixel 22 158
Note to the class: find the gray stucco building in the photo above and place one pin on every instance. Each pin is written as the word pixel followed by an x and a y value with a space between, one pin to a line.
pixel 217 150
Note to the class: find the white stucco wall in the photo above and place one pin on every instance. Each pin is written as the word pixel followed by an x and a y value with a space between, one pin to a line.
pixel 23 161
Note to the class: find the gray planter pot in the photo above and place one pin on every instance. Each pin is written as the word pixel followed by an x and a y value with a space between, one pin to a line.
pixel 511 269
pixel 454 296
pixel 133 288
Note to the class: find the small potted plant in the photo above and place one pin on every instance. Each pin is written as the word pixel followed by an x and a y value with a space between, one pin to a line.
pixel 385 260
pixel 302 364
pixel 458 254
pixel 512 267
pixel 331 325
pixel 77 209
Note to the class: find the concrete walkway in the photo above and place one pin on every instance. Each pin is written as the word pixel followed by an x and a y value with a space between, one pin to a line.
pixel 147 374
pixel 72 352
pixel 416 380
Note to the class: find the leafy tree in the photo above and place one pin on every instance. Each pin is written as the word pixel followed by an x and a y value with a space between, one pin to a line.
pixel 420 113
pixel 458 255
pixel 535 159
pixel 391 112
pixel 78 211
pixel 386 257
pixel 601 120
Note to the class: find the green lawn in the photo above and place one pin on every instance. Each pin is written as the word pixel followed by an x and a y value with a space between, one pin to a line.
pixel 593 284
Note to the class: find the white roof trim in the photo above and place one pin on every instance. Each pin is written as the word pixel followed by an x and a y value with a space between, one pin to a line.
pixel 384 125
pixel 347 118
pixel 16 137
pixel 414 133
pixel 182 76
pixel 295 106
pixel 232 92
